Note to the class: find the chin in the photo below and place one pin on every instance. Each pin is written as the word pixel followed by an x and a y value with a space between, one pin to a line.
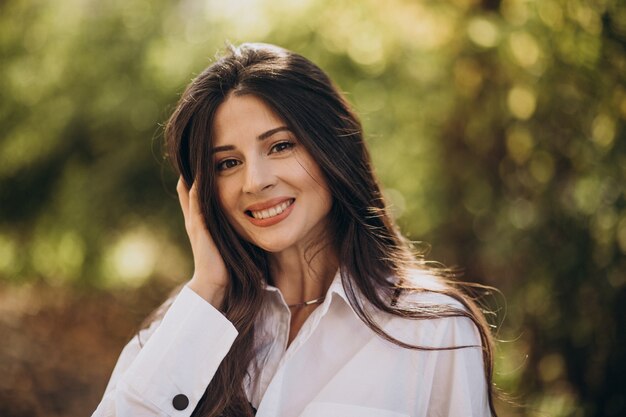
pixel 271 247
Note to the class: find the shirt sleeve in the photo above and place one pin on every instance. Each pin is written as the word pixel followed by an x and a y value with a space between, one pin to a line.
pixel 169 374
pixel 459 385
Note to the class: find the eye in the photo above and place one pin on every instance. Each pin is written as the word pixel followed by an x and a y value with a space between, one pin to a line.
pixel 282 146
pixel 227 164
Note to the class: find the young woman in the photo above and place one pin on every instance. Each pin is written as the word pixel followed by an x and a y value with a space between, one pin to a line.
pixel 305 299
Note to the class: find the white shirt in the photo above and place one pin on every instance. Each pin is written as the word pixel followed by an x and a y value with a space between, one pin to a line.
pixel 335 366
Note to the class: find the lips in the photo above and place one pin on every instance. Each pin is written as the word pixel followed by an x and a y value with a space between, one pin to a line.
pixel 270 212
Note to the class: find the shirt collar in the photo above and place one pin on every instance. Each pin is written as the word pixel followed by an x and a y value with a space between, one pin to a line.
pixel 336 287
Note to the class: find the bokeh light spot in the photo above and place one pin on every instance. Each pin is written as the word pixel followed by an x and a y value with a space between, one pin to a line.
pixel 519 143
pixel 522 213
pixel 366 48
pixel 542 166
pixel 483 32
pixel 525 49
pixel 522 102
pixel 551 14
pixel 551 367
pixel 603 131
pixel 587 193
pixel 132 258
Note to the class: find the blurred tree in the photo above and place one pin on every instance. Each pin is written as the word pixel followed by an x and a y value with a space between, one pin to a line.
pixel 536 191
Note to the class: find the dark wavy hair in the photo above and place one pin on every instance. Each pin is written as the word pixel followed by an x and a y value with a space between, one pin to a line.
pixel 370 249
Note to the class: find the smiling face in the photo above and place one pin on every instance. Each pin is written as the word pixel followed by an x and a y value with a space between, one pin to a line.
pixel 270 188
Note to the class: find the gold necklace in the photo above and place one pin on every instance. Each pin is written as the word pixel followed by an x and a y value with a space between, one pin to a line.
pixel 307 303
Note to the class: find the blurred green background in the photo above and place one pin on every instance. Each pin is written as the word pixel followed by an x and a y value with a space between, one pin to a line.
pixel 496 127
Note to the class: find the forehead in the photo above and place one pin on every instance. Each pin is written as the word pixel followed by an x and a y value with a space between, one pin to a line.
pixel 242 118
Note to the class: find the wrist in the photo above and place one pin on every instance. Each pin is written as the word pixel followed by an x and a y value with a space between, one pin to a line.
pixel 212 293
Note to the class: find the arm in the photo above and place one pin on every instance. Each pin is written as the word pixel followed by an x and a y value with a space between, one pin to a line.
pixel 459 387
pixel 169 374
pixel 177 361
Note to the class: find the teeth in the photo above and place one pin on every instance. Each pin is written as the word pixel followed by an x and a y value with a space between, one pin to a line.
pixel 271 212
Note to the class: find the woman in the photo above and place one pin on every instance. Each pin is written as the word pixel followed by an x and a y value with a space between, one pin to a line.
pixel 305 299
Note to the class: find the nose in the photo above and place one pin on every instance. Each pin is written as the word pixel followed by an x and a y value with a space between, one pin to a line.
pixel 258 176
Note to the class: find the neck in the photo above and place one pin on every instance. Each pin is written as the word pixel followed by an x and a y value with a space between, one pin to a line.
pixel 303 278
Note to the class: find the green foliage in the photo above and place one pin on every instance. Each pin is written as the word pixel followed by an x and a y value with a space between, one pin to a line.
pixel 497 128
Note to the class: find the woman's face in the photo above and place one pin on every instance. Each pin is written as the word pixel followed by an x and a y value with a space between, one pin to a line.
pixel 270 188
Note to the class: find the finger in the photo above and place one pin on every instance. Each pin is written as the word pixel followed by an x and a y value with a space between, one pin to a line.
pixel 183 197
pixel 194 202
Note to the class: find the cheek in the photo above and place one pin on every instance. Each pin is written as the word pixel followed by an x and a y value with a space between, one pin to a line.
pixel 309 170
pixel 312 175
pixel 235 221
pixel 225 188
pixel 227 201
pixel 326 201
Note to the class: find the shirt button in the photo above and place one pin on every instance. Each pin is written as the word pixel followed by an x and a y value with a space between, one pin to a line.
pixel 180 402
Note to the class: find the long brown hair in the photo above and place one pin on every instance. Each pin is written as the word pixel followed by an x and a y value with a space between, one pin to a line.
pixel 370 248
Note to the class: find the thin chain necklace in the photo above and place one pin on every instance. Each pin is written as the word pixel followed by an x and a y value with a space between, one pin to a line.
pixel 307 303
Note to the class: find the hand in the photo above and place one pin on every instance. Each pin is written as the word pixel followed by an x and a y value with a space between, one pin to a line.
pixel 210 277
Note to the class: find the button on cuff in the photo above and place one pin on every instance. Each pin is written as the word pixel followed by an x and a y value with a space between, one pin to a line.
pixel 180 402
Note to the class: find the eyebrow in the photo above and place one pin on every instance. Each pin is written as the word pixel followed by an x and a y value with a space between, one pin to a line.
pixel 262 136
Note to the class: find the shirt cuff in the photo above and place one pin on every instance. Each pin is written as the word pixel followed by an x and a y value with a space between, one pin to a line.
pixel 181 357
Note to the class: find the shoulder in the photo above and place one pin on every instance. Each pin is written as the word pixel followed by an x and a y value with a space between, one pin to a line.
pixel 430 315
pixel 423 290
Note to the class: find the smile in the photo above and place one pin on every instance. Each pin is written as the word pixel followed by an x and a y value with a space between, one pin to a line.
pixel 272 211
pixel 268 216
